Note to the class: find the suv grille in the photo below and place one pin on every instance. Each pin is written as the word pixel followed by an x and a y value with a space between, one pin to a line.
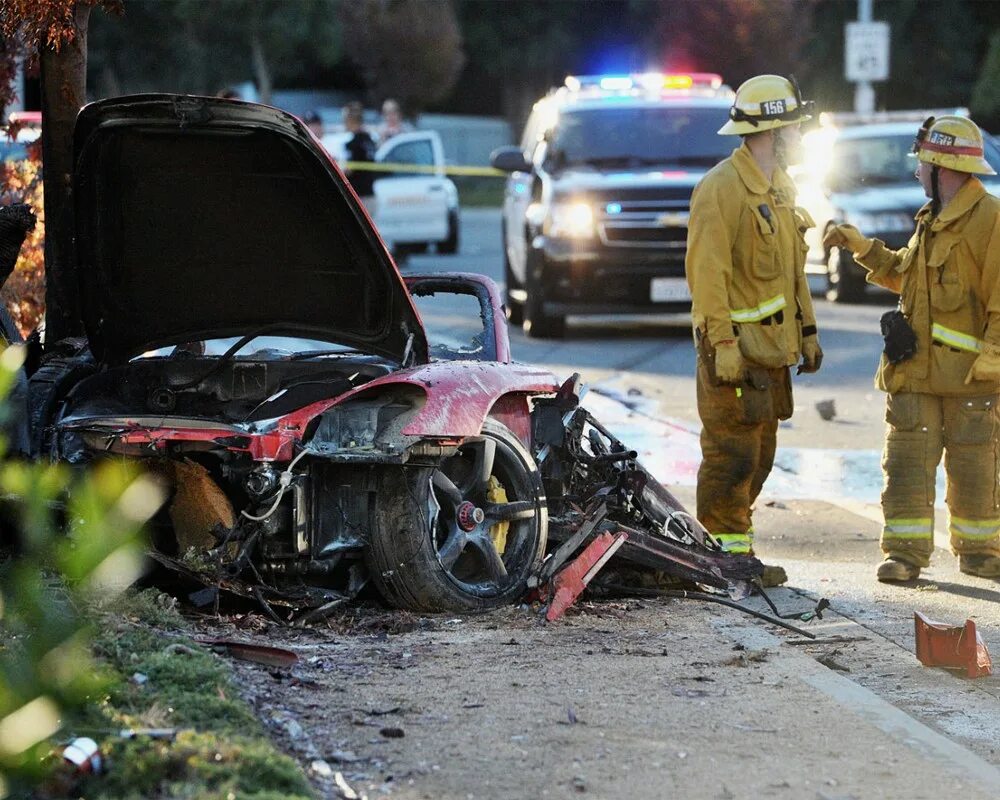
pixel 660 224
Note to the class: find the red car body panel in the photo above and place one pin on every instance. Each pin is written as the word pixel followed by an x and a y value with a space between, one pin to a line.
pixel 459 397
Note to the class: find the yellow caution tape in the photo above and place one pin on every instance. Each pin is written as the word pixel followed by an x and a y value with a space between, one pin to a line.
pixel 420 169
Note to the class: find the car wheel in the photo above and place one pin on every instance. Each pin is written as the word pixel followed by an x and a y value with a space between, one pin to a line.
pixel 538 324
pixel 464 536
pixel 844 284
pixel 450 245
pixel 515 311
pixel 47 388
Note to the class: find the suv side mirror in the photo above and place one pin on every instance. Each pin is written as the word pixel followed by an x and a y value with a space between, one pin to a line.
pixel 509 159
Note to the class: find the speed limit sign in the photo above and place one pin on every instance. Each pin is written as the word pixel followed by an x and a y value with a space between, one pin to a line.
pixel 866 51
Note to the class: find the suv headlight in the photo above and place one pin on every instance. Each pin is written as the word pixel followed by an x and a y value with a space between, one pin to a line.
pixel 887 222
pixel 571 221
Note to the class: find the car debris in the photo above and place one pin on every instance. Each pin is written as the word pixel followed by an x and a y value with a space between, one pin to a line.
pixel 599 493
pixel 954 647
pixel 257 653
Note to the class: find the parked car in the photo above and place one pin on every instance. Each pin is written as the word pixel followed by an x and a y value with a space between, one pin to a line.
pixel 249 338
pixel 413 210
pixel 858 169
pixel 595 211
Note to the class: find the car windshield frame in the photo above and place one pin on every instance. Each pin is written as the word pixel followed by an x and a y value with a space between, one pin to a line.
pixel 626 136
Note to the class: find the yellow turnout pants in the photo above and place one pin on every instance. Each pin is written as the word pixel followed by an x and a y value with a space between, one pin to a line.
pixel 920 428
pixel 738 438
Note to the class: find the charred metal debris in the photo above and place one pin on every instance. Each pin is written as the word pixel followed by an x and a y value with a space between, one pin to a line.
pixel 601 499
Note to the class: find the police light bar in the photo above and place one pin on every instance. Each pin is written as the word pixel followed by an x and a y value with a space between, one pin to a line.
pixel 648 81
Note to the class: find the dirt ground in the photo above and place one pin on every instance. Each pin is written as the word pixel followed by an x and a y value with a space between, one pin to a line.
pixel 643 699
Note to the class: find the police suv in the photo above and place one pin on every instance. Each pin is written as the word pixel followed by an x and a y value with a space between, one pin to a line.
pixel 596 207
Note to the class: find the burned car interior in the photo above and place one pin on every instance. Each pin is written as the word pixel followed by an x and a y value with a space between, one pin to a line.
pixel 251 342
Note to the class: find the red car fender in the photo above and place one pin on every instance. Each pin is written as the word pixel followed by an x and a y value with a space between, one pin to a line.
pixel 460 395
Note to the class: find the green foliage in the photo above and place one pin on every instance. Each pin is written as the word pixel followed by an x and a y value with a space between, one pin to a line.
pixel 410 50
pixel 191 682
pixel 202 46
pixel 46 670
pixel 476 191
pixel 985 104
pixel 199 765
pixel 220 751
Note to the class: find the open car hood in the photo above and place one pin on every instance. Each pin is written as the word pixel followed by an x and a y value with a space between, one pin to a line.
pixel 202 218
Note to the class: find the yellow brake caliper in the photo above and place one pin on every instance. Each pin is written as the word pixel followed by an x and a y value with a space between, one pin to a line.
pixel 495 493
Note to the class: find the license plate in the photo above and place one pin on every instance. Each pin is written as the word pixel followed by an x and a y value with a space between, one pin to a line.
pixel 665 290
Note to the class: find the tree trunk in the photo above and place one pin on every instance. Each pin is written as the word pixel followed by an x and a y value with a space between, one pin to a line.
pixel 64 86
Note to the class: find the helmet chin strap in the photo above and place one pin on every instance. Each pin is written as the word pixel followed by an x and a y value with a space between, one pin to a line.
pixel 935 190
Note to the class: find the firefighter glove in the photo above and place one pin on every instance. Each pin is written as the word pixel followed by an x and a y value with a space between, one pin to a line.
pixel 986 367
pixel 812 355
pixel 729 365
pixel 848 237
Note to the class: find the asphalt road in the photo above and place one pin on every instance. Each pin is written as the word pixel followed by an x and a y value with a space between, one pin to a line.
pixel 829 545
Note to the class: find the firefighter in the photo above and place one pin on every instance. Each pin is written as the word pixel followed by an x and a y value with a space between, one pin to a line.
pixel 942 384
pixel 752 314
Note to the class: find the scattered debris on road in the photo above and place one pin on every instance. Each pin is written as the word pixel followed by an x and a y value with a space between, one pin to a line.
pixel 827 409
pixel 257 653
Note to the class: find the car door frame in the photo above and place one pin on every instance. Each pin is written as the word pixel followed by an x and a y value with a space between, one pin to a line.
pixel 496 339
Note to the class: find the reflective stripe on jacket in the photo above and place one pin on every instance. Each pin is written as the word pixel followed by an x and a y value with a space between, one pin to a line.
pixel 745 261
pixel 947 277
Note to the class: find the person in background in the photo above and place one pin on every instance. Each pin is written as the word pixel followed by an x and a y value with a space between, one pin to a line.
pixel 392 121
pixel 940 368
pixel 314 124
pixel 360 148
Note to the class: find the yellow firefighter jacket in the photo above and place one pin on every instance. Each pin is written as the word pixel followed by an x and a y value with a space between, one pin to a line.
pixel 947 279
pixel 745 261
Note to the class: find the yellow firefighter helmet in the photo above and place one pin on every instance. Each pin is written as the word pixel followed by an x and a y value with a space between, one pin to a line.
pixel 954 143
pixel 766 102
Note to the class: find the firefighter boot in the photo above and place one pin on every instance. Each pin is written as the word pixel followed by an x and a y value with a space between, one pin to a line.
pixel 979 564
pixel 895 570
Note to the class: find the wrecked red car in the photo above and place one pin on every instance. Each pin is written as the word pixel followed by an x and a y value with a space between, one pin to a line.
pixel 250 339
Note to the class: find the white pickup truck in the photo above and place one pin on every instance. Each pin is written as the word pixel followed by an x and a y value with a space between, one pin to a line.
pixel 412 210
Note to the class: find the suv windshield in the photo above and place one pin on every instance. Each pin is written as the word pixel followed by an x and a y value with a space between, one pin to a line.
pixel 623 137
pixel 879 160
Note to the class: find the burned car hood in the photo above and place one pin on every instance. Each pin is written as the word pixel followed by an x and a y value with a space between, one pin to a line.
pixel 200 218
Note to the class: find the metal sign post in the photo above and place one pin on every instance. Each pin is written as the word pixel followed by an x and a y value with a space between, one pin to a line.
pixel 866 55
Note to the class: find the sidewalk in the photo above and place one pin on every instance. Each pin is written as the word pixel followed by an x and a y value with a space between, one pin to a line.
pixel 657 699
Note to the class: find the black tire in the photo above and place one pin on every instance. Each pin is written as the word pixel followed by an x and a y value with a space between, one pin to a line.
pixel 46 389
pixel 515 311
pixel 845 284
pixel 422 559
pixel 450 245
pixel 537 323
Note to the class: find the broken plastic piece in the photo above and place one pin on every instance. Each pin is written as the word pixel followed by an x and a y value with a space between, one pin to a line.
pixel 573 579
pixel 84 755
pixel 957 647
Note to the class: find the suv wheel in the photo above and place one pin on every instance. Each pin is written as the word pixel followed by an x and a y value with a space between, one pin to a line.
pixel 538 324
pixel 450 245
pixel 844 284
